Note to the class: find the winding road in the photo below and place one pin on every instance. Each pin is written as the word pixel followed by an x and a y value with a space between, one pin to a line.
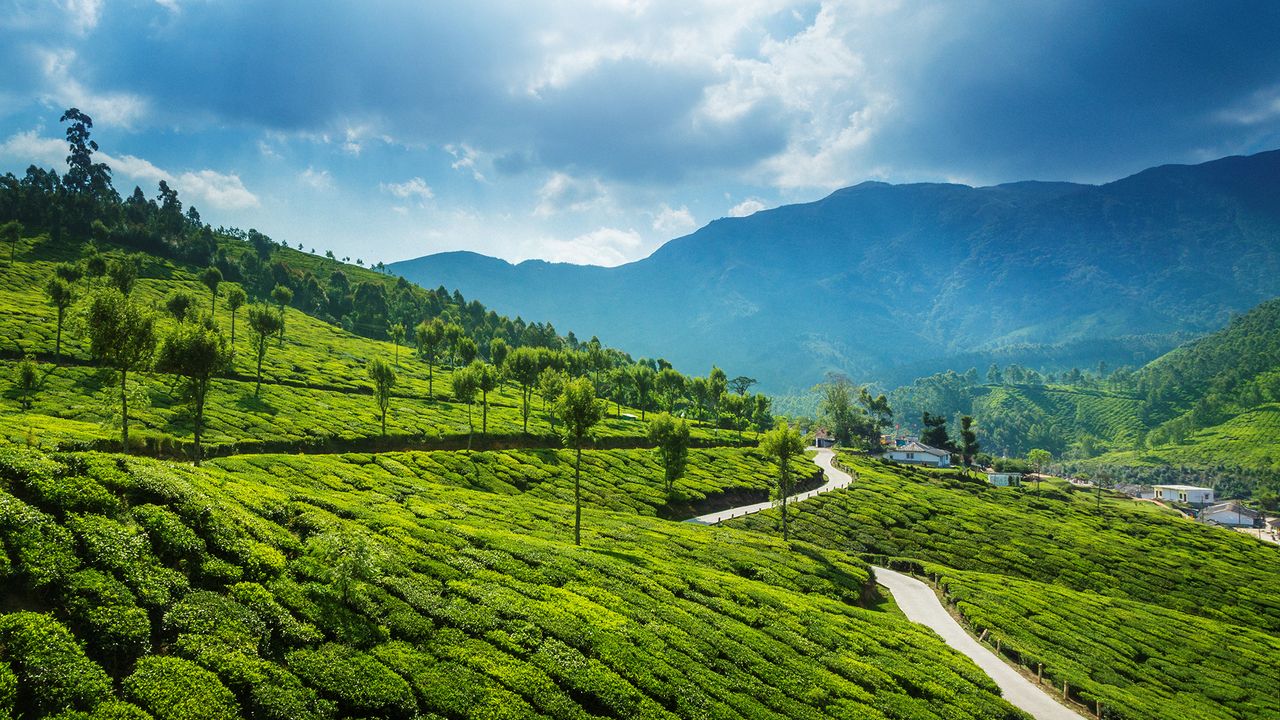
pixel 920 604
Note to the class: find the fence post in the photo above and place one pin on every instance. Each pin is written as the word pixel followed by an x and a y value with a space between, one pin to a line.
pixel 1039 673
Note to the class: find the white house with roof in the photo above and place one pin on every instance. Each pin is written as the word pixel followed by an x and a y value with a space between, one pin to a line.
pixel 1189 494
pixel 917 453
pixel 1005 479
pixel 1232 514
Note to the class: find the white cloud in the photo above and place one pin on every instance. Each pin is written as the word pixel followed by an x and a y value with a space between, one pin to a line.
pixel 671 222
pixel 83 15
pixel 1261 107
pixel 746 207
pixel 29 147
pixel 605 246
pixel 413 188
pixel 171 5
pixel 318 179
pixel 465 157
pixel 562 192
pixel 63 90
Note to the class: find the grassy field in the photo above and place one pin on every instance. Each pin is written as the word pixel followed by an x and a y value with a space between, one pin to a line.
pixel 239 592
pixel 1098 598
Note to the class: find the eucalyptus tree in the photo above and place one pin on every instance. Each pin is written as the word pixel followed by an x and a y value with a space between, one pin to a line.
pixel 671 441
pixel 670 386
pixel 781 444
pixel 282 296
pixel 236 298
pixel 212 278
pixel 196 352
pixel 486 379
pixel 396 331
pixel 122 273
pixel 430 338
pixel 467 350
pixel 384 379
pixel 60 297
pixel 579 411
pixel 11 232
pixel 551 382
pixel 642 379
pixel 122 335
pixel 465 385
pixel 264 324
pixel 523 365
pixel 179 305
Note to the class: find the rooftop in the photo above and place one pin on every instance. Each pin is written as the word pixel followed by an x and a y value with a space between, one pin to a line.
pixel 1184 488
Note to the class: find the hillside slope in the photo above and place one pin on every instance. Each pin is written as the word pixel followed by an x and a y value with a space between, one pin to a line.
pixel 891 282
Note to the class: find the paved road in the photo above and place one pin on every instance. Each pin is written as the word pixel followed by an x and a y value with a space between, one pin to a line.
pixel 921 605
pixel 836 478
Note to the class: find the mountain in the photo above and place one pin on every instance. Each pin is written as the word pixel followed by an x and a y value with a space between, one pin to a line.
pixel 891 282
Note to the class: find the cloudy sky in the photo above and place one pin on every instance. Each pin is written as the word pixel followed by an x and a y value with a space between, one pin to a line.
pixel 592 132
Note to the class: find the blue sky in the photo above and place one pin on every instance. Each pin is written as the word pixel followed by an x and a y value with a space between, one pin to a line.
pixel 592 132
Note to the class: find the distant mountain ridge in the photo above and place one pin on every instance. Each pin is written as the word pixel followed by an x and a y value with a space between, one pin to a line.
pixel 890 282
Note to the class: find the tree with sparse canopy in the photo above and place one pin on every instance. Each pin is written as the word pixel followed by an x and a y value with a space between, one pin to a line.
pixel 264 323
pixel 122 273
pixel 212 278
pixel 671 439
pixel 523 365
pixel 430 339
pixel 282 296
pixel 741 384
pixel 60 297
pixel 384 378
pixel 551 383
pixel 10 232
pixel 579 411
pixel 122 335
pixel 236 299
pixel 1039 459
pixel 486 377
pixel 781 444
pixel 396 331
pixel 196 352
pixel 465 385
pixel 642 379
pixel 26 378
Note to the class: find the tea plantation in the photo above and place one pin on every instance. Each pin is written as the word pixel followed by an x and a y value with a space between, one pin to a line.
pixel 136 588
pixel 1107 602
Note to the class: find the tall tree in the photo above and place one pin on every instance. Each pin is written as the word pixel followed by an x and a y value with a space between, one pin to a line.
pixel 196 352
pixel 60 297
pixel 498 351
pixel 523 365
pixel 486 377
pixel 236 299
pixel 26 380
pixel 123 272
pixel 671 440
pixel 741 384
pixel 642 379
pixel 551 382
pixel 452 337
pixel 783 443
pixel 282 296
pixel 264 323
pixel 968 441
pixel 467 350
pixel 935 431
pixel 579 411
pixel 430 339
pixel 670 386
pixel 465 385
pixel 396 331
pixel 11 232
pixel 384 379
pixel 212 278
pixel 122 335
pixel 1039 459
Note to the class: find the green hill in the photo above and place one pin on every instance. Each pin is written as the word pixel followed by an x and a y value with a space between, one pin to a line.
pixel 1152 614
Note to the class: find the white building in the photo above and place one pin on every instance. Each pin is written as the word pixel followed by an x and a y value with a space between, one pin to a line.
pixel 1005 479
pixel 917 453
pixel 1232 514
pixel 1189 494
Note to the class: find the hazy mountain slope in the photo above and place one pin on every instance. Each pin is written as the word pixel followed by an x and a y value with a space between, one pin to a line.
pixel 888 282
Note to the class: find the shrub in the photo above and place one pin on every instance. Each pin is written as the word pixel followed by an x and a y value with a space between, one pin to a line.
pixel 171 688
pixel 358 683
pixel 170 537
pixel 8 690
pixel 42 550
pixel 70 494
pixel 217 616
pixel 266 690
pixel 110 710
pixel 125 550
pixel 52 670
pixel 285 628
pixel 104 608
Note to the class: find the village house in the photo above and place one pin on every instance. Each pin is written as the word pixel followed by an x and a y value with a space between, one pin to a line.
pixel 823 438
pixel 1189 494
pixel 1005 479
pixel 917 453
pixel 1231 514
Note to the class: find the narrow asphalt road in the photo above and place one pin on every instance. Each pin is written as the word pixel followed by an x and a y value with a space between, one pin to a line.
pixel 921 605
pixel 836 478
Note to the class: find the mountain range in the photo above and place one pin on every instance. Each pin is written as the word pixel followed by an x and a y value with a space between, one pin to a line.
pixel 886 283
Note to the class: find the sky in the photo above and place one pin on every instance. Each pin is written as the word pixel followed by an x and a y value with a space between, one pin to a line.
pixel 594 131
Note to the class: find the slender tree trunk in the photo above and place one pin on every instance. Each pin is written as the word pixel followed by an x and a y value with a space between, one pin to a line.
pixel 124 412
pixel 262 345
pixel 57 343
pixel 785 489
pixel 233 332
pixel 384 422
pixel 577 497
pixel 202 390
pixel 484 427
pixel 471 428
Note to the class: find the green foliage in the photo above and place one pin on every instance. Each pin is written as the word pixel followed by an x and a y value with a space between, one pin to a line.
pixel 671 439
pixel 53 672
pixel 103 609
pixel 171 688
pixel 356 681
pixel 384 380
pixel 25 382
pixel 783 443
